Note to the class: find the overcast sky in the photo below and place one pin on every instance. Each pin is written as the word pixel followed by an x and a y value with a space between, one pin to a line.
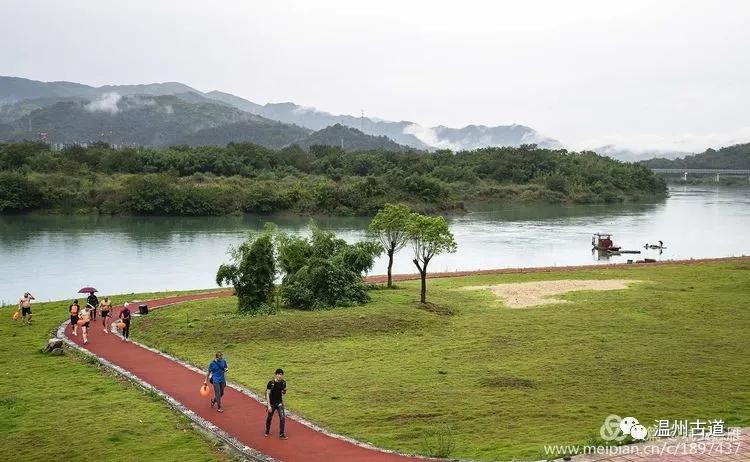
pixel 649 74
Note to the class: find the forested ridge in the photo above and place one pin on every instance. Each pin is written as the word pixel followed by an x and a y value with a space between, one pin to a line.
pixel 243 177
pixel 731 157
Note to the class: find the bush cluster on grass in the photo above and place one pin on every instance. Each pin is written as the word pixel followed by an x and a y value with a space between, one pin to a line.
pixel 321 271
pixel 247 178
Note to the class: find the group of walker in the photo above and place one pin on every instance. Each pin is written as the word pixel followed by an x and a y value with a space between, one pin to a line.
pixel 82 317
pixel 275 391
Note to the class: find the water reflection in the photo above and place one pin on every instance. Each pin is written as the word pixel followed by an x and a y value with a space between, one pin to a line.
pixel 53 255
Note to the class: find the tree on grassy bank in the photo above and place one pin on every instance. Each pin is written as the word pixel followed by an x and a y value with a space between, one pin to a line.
pixel 324 271
pixel 252 271
pixel 429 236
pixel 320 271
pixel 389 227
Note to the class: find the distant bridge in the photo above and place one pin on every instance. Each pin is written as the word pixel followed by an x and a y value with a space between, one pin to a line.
pixel 702 171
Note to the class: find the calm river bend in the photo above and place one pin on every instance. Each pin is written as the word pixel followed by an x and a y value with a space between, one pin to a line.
pixel 52 256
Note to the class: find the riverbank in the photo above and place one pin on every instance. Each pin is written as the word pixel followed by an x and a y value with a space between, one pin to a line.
pixel 412 375
pixel 481 366
pixel 212 181
pixel 67 408
pixel 381 278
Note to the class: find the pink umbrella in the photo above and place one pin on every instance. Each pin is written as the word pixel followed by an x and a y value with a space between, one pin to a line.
pixel 87 290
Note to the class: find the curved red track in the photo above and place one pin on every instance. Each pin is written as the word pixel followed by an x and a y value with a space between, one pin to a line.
pixel 243 417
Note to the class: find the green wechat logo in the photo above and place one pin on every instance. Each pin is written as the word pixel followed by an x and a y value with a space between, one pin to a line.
pixel 616 428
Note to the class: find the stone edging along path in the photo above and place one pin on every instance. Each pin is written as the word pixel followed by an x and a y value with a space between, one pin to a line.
pixel 240 427
pixel 177 383
pixel 232 443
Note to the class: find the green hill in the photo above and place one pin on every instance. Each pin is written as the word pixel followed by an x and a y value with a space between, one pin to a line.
pixel 14 89
pixel 350 139
pixel 402 133
pixel 142 121
pixel 267 133
pixel 730 157
pixel 187 118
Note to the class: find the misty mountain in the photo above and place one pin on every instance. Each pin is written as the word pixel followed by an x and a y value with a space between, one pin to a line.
pixel 14 90
pixel 630 155
pixel 271 134
pixel 240 103
pixel 350 139
pixel 145 120
pixel 730 157
pixel 15 111
pixel 184 118
pixel 481 136
pixel 316 120
pixel 403 132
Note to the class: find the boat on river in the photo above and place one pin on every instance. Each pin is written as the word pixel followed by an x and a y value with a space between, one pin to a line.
pixel 603 242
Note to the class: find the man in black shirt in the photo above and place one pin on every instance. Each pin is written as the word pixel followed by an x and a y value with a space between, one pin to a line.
pixel 94 302
pixel 275 391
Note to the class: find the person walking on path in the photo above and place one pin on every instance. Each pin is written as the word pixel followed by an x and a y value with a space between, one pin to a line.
pixel 93 302
pixel 125 318
pixel 275 391
pixel 74 310
pixel 85 315
pixel 105 308
pixel 215 374
pixel 24 305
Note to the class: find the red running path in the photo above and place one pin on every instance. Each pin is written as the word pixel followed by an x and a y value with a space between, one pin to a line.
pixel 243 417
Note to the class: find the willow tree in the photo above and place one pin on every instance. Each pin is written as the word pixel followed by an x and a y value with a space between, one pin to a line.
pixel 429 236
pixel 252 271
pixel 389 227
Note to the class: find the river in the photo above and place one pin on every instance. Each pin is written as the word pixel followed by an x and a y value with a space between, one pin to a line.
pixel 53 256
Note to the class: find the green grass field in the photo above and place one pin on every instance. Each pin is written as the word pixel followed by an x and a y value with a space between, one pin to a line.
pixel 65 408
pixel 501 382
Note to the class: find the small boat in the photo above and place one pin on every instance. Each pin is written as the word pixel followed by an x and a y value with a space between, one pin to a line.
pixel 603 242
pixel 660 245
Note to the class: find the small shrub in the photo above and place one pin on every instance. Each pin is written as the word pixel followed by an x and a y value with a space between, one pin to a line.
pixel 439 442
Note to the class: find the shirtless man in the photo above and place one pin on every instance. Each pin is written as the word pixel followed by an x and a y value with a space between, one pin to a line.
pixel 24 304
pixel 85 316
pixel 105 308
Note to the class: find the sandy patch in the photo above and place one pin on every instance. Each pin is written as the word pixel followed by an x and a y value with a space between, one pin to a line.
pixel 526 294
